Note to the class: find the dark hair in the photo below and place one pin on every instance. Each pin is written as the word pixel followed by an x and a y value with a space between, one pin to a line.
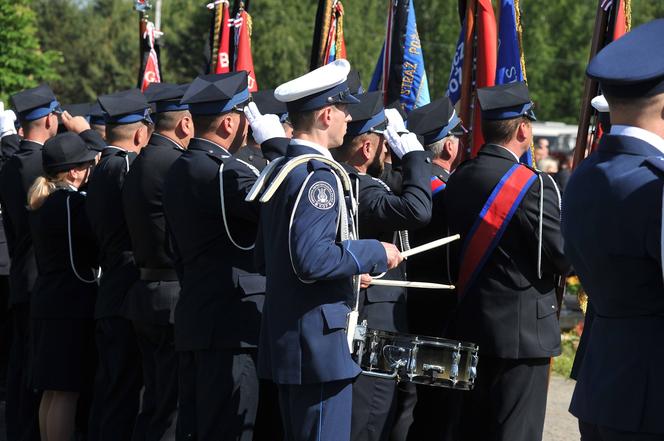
pixel 302 121
pixel 168 121
pixel 500 131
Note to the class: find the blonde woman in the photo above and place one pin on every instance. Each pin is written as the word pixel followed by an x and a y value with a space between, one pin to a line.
pixel 63 299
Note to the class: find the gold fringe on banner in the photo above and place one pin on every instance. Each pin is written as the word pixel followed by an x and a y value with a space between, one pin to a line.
pixel 628 15
pixel 218 17
pixel 519 32
pixel 325 30
pixel 338 41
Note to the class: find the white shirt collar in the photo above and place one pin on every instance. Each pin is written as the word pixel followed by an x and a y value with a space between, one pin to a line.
pixel 116 147
pixel 225 150
pixel 639 133
pixel 36 142
pixel 511 152
pixel 320 149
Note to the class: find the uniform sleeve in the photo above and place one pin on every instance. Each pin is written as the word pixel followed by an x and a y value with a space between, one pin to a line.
pixel 315 252
pixel 553 257
pixel 411 208
pixel 274 148
pixel 259 251
pixel 238 180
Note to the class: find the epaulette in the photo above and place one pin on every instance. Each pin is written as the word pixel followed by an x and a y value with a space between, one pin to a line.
pixel 314 165
pixel 656 164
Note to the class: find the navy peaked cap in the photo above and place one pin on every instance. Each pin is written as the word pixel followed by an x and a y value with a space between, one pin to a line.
pixel 267 103
pixel 435 120
pixel 215 94
pixel 633 65
pixel 37 102
pixel 78 109
pixel 368 115
pixel 126 107
pixel 506 101
pixel 97 114
pixel 166 96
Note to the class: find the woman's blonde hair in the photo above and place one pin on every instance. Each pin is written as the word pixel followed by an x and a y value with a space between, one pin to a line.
pixel 42 188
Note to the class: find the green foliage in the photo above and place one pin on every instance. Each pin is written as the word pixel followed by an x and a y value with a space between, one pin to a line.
pixel 562 364
pixel 23 64
pixel 98 40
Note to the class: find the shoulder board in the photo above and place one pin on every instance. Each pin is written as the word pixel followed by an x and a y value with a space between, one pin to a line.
pixel 218 157
pixel 656 164
pixel 314 165
pixel 249 166
pixel 381 183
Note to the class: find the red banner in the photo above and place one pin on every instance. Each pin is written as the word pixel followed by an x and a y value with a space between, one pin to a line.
pixel 244 60
pixel 151 72
pixel 223 61
pixel 487 37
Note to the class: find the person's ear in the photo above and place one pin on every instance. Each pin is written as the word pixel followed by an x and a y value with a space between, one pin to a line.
pixel 366 149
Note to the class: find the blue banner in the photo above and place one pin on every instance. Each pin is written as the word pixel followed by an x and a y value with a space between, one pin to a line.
pixel 508 67
pixel 414 84
pixel 407 79
pixel 456 74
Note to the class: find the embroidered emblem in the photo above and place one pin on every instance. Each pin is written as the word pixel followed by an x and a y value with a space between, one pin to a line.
pixel 321 195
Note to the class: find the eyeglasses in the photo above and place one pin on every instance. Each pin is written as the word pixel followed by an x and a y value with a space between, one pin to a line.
pixel 343 108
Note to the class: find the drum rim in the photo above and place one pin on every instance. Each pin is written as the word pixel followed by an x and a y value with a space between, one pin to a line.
pixel 427 338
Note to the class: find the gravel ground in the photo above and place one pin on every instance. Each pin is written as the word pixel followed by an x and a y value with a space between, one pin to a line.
pixel 559 424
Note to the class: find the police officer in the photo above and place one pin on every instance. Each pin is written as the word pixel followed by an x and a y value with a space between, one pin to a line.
pixel 438 125
pixel 118 381
pixel 217 317
pixel 612 225
pixel 266 103
pixel 303 345
pixel 36 109
pixel 62 304
pixel 384 216
pixel 152 298
pixel 506 271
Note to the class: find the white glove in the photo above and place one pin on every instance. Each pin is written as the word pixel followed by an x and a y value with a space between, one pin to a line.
pixel 7 118
pixel 402 144
pixel 264 127
pixel 395 120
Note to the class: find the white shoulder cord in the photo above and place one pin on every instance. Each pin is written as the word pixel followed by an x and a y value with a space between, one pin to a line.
pixel 223 206
pixel 290 225
pixel 71 251
pixel 539 236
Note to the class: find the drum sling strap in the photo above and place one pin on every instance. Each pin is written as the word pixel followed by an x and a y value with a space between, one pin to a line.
pixel 491 224
pixel 437 185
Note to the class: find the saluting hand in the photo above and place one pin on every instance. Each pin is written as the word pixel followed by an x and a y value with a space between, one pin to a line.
pixel 263 127
pixel 76 124
pixel 394 257
pixel 7 118
pixel 402 143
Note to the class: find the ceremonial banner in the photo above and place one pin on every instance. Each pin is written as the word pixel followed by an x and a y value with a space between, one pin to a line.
pixel 485 69
pixel 151 73
pixel 456 73
pixel 328 44
pixel 223 64
pixel 400 72
pixel 244 60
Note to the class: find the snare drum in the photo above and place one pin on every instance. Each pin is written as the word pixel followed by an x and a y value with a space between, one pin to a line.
pixel 424 360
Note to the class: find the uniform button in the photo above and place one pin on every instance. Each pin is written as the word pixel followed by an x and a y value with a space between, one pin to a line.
pixel 428 160
pixel 553 306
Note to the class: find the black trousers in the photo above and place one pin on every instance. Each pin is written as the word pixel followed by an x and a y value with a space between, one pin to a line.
pixel 268 426
pixel 435 413
pixel 156 421
pixel 374 408
pixel 218 395
pixel 22 407
pixel 508 402
pixel 593 432
pixel 118 381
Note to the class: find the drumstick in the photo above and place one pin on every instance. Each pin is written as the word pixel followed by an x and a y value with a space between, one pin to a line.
pixel 407 284
pixel 429 246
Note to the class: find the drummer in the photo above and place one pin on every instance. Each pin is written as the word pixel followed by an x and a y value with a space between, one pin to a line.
pixel 506 277
pixel 385 216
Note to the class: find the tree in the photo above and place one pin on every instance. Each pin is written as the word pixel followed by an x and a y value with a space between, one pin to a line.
pixel 22 62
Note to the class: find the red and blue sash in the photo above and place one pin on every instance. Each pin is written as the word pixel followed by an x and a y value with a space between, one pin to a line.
pixel 437 185
pixel 491 223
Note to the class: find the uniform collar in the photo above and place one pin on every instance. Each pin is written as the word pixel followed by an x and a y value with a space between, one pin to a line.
pixel 30 145
pixel 320 149
pixel 500 151
pixel 113 150
pixel 162 140
pixel 207 146
pixel 639 133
